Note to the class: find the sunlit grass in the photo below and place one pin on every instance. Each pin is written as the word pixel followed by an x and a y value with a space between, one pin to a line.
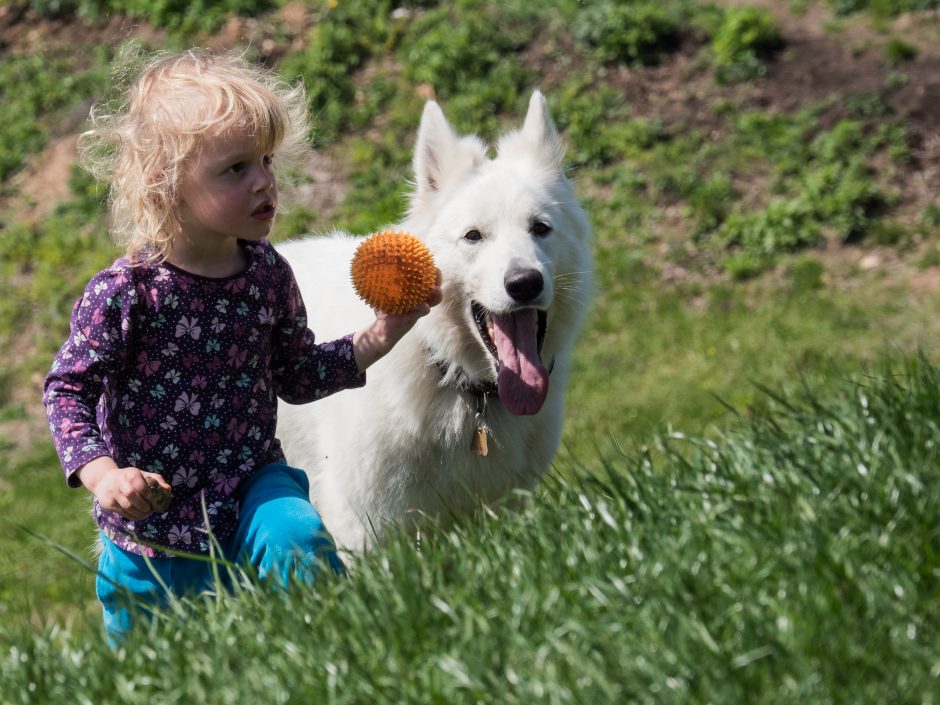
pixel 793 559
pixel 657 355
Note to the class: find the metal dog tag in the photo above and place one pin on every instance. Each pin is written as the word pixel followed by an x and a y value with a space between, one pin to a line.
pixel 478 443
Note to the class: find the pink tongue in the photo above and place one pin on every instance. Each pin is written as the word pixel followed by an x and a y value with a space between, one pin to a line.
pixel 523 380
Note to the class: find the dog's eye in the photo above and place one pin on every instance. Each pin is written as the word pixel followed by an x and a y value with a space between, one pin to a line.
pixel 540 227
pixel 473 235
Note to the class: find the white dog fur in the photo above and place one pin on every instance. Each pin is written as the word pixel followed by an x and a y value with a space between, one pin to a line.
pixel 400 447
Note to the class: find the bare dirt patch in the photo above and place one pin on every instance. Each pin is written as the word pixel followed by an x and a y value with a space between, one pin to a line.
pixel 44 180
pixel 24 32
pixel 325 185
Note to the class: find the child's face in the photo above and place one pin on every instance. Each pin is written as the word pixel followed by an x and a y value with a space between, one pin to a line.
pixel 229 191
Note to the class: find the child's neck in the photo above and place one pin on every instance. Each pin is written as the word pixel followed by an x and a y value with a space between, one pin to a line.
pixel 213 263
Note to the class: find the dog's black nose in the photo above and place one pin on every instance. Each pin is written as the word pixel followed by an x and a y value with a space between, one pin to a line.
pixel 524 284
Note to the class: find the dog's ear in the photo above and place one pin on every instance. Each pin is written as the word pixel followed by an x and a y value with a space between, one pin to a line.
pixel 440 154
pixel 539 130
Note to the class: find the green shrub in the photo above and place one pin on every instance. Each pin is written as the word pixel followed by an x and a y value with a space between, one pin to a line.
pixel 631 32
pixel 805 274
pixel 897 51
pixel 443 46
pixel 597 124
pixel 468 52
pixel 868 105
pixel 930 258
pixel 339 46
pixel 377 178
pixel 35 88
pixel 744 265
pixel 784 225
pixel 882 8
pixel 843 198
pixel 889 234
pixel 931 215
pixel 843 143
pixel 711 201
pixel 777 138
pixel 745 40
pixel 824 186
pixel 586 117
pixel 840 199
pixel 183 16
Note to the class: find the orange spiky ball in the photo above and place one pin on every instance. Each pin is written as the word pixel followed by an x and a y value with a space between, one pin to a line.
pixel 393 271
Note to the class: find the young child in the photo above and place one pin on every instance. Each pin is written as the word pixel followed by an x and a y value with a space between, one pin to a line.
pixel 179 350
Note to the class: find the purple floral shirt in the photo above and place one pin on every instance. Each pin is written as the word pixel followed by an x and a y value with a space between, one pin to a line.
pixel 178 374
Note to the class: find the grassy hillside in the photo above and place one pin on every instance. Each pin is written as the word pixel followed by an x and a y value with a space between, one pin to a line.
pixel 762 180
pixel 795 560
pixel 742 169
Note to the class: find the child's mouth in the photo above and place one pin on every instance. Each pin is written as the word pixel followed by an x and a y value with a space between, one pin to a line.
pixel 264 212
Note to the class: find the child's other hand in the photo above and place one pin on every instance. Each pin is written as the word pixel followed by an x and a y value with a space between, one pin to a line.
pixel 378 339
pixel 124 491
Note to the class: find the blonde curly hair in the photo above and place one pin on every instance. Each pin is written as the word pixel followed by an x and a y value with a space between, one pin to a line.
pixel 144 145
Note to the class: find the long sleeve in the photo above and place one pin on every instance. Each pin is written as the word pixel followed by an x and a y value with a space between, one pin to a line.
pixel 95 349
pixel 302 369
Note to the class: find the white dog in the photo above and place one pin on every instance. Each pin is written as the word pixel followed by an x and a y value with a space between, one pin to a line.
pixel 487 367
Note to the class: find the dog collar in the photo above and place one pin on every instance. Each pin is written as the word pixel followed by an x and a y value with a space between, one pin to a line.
pixel 460 380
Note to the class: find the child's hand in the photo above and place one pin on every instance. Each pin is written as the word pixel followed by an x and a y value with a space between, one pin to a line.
pixel 125 491
pixel 378 339
pixel 394 327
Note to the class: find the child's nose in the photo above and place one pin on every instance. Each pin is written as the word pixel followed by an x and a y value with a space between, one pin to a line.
pixel 264 181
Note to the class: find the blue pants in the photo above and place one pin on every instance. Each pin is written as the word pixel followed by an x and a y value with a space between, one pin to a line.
pixel 279 535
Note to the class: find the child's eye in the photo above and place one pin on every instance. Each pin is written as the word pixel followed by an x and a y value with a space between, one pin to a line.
pixel 268 159
pixel 237 167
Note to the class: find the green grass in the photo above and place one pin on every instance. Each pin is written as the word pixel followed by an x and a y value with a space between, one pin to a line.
pixel 747 561
pixel 33 495
pixel 795 559
pixel 36 86
pixel 656 356
pixel 185 17
pixel 43 268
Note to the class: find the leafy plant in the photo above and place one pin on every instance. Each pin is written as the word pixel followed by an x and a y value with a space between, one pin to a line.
pixel 586 117
pixel 784 225
pixel 182 16
pixel 631 32
pixel 897 51
pixel 805 274
pixel 744 41
pixel 443 49
pixel 824 186
pixel 744 265
pixel 33 87
pixel 882 8
pixel 711 201
pixel 339 46
pixel 43 266
pixel 931 216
